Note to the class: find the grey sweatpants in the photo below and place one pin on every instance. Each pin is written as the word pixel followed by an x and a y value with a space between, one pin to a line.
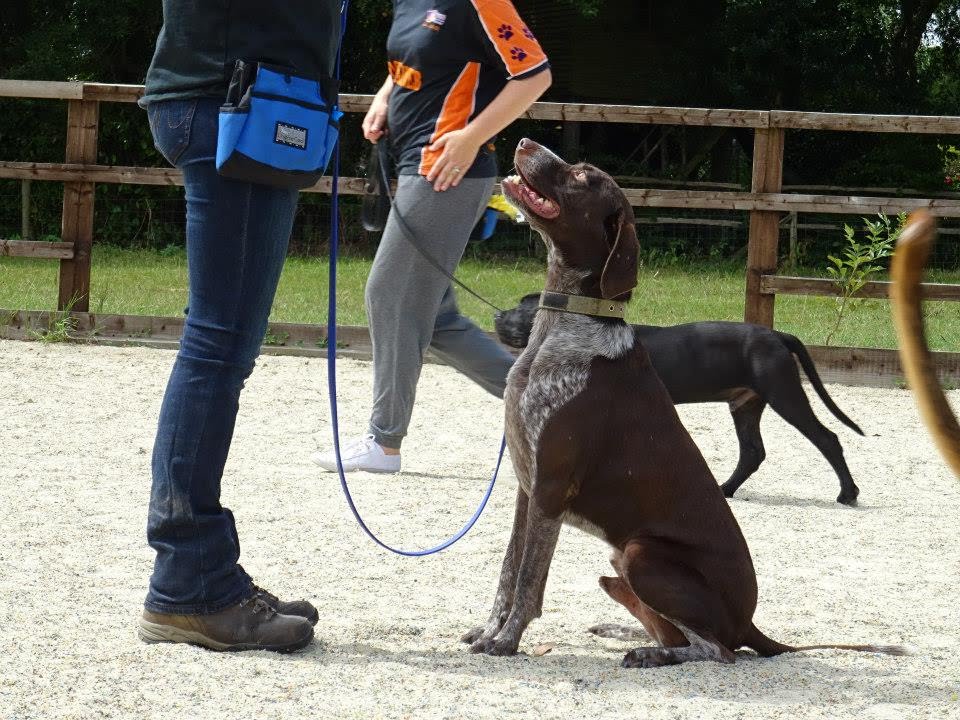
pixel 411 306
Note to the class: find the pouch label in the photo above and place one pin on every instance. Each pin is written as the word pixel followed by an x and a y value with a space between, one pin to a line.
pixel 291 136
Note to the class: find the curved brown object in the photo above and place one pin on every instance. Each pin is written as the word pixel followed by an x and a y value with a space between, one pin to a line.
pixel 913 249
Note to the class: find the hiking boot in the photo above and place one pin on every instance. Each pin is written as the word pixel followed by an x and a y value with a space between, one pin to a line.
pixel 361 454
pixel 251 624
pixel 298 608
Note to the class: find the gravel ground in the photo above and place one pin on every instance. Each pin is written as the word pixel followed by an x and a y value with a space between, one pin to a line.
pixel 78 424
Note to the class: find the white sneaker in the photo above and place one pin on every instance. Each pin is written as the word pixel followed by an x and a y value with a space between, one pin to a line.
pixel 363 454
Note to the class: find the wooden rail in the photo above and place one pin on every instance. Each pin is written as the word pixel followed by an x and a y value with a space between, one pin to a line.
pixel 36 249
pixel 765 202
pixel 690 199
pixel 878 289
pixel 583 112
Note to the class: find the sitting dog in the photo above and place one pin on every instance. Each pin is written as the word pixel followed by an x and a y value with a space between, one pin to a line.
pixel 597 443
pixel 747 366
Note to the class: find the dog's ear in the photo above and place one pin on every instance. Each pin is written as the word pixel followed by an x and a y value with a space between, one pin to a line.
pixel 620 271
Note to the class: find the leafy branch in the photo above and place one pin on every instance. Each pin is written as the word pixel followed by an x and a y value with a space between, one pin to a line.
pixel 860 261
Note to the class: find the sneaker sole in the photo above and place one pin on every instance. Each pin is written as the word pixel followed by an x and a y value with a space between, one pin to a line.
pixel 353 468
pixel 152 633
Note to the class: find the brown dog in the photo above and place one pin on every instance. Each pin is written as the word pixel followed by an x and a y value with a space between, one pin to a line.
pixel 596 443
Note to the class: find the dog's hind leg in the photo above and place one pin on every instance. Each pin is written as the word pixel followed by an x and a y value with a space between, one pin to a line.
pixel 507 586
pixel 746 418
pixel 684 615
pixel 790 402
pixel 698 648
pixel 619 590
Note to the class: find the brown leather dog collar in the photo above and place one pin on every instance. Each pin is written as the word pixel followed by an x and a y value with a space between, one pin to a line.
pixel 581 305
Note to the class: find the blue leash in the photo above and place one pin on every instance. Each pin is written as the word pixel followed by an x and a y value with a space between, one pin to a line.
pixel 332 366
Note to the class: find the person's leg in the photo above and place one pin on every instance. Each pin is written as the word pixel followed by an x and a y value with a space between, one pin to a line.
pixel 237 235
pixel 404 296
pixel 458 342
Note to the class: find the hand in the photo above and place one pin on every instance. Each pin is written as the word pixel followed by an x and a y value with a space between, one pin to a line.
pixel 460 149
pixel 375 121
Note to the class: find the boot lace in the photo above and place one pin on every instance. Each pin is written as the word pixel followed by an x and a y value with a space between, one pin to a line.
pixel 259 604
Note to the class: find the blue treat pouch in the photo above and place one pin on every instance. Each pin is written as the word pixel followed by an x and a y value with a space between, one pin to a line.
pixel 276 127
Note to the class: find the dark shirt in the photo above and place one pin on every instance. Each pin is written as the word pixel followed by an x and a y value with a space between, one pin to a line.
pixel 201 39
pixel 448 60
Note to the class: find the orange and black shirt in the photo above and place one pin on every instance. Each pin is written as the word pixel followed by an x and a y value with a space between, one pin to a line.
pixel 448 60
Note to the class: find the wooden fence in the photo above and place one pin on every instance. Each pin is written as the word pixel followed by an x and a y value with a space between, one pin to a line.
pixel 766 202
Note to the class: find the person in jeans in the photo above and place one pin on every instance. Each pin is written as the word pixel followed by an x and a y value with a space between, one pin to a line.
pixel 459 73
pixel 237 235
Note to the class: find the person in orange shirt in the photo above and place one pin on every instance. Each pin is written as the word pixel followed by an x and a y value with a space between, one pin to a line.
pixel 460 71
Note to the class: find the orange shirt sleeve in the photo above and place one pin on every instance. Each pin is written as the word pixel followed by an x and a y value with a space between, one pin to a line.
pixel 512 42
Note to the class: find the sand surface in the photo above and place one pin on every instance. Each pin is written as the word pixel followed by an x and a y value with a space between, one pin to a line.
pixel 77 429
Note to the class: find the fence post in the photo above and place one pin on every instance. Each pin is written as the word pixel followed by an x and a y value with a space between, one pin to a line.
pixel 764 225
pixel 26 231
pixel 83 119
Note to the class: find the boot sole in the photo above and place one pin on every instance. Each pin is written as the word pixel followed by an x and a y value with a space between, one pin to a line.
pixel 156 633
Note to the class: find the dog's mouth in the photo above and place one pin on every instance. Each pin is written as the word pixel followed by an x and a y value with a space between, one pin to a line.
pixel 517 189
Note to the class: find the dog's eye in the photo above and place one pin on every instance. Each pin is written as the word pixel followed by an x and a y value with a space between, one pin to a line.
pixel 580 176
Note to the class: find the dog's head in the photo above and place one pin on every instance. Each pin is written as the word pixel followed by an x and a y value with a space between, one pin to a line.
pixel 583 216
pixel 513 325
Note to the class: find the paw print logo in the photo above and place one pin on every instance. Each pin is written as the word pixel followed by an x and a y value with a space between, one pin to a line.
pixel 526 33
pixel 518 54
pixel 505 32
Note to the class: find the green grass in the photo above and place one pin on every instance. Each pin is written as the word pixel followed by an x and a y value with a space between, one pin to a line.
pixel 132 282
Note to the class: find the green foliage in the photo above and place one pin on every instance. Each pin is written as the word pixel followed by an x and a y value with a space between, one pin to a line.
pixel 142 282
pixel 587 8
pixel 860 262
pixel 61 326
pixel 951 167
pixel 276 338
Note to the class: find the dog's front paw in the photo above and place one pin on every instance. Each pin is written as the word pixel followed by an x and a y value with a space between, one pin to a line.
pixel 503 647
pixel 482 645
pixel 472 636
pixel 499 646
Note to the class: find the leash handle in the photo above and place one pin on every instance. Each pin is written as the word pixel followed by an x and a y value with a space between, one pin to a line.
pixel 332 366
pixel 411 238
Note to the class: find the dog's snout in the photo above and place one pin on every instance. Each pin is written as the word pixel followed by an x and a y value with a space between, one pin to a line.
pixel 526 146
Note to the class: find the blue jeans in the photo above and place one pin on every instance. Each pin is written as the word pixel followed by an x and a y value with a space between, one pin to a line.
pixel 237 235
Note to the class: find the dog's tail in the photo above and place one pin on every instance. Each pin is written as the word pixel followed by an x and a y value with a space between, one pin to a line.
pixel 913 248
pixel 800 350
pixel 765 647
